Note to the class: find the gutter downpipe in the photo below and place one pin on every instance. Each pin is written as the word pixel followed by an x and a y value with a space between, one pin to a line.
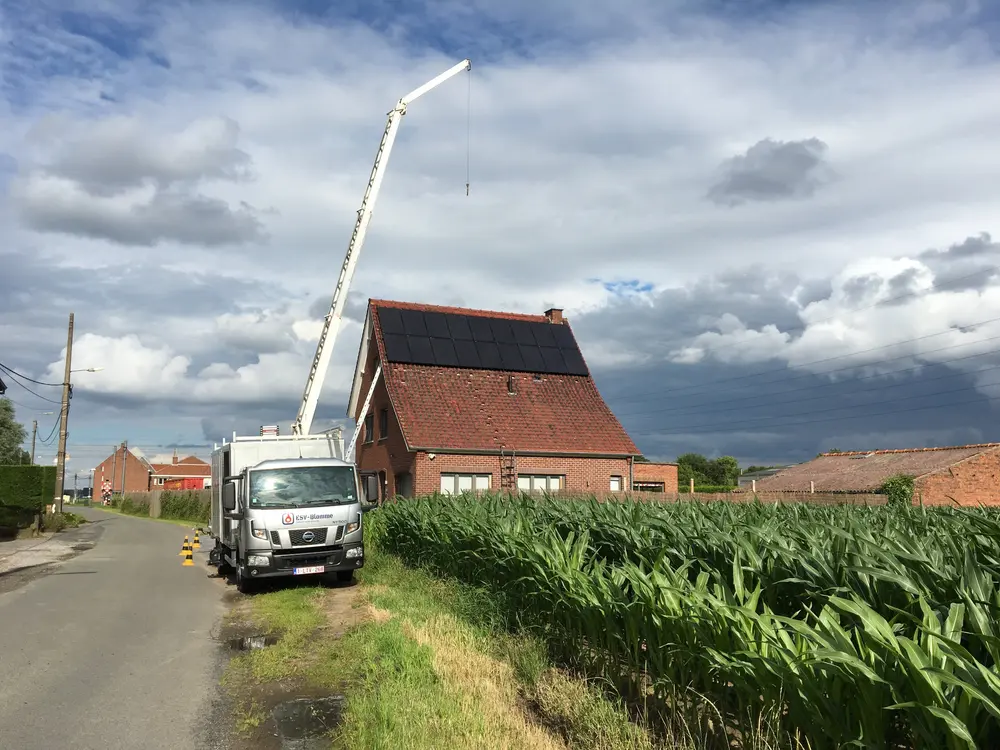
pixel 631 474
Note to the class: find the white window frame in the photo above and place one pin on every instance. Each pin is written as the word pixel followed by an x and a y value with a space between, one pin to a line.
pixel 457 482
pixel 540 482
pixel 615 484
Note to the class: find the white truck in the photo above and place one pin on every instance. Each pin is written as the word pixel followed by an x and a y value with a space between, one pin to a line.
pixel 288 506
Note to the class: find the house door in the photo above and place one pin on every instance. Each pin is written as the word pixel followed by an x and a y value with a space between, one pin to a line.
pixel 404 484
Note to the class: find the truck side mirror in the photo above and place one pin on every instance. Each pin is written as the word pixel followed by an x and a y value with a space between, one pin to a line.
pixel 229 497
pixel 371 488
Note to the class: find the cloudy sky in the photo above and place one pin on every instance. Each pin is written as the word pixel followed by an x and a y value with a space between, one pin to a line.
pixel 774 226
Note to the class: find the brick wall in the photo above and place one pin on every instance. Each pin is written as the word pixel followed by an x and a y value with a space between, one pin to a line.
pixel 136 473
pixel 583 475
pixel 971 482
pixel 385 453
pixel 656 472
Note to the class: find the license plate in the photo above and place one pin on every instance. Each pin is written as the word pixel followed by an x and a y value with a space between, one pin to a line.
pixel 310 569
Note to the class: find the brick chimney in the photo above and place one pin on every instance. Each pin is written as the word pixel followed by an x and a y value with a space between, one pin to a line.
pixel 175 455
pixel 555 315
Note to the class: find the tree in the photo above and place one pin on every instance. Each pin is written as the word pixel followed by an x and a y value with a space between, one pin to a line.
pixel 722 471
pixel 12 434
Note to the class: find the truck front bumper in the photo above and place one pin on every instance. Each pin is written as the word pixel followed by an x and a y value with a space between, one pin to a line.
pixel 304 562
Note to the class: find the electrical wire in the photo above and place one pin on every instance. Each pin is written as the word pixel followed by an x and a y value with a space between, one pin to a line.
pixel 25 377
pixel 36 395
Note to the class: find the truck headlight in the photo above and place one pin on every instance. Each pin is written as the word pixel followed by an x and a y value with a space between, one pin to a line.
pixel 351 528
pixel 259 533
pixel 355 552
pixel 258 561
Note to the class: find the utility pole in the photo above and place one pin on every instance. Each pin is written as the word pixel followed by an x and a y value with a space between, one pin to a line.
pixel 75 490
pixel 34 432
pixel 63 419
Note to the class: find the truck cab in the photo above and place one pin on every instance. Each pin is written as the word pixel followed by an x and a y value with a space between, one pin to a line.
pixel 293 517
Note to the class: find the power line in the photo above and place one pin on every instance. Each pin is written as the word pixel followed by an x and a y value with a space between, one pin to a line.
pixel 25 377
pixel 828 372
pixel 786 368
pixel 36 395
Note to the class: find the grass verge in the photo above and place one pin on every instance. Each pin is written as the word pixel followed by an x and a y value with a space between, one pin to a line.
pixel 422 665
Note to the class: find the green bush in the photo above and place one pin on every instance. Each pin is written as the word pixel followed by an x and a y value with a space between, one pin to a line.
pixel 706 488
pixel 24 491
pixel 898 489
pixel 186 505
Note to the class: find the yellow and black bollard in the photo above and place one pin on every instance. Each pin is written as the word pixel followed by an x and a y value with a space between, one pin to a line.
pixel 188 558
pixel 196 544
pixel 185 548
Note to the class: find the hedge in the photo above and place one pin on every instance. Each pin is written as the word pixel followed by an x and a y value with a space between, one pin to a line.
pixel 24 492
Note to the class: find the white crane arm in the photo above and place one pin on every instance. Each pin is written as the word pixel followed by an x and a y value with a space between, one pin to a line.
pixel 328 336
pixel 349 452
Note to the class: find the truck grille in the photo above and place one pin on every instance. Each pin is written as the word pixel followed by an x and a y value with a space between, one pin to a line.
pixel 307 536
pixel 275 539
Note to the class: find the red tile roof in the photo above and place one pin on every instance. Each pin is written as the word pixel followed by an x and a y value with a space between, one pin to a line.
pixel 451 408
pixel 861 471
pixel 183 468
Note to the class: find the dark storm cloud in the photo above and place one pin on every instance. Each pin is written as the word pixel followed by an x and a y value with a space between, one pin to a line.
pixel 767 413
pixel 186 218
pixel 772 170
pixel 968 265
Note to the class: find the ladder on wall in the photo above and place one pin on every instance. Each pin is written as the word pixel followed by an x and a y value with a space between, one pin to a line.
pixel 508 470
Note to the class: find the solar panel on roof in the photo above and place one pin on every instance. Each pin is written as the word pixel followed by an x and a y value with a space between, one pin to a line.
pixel 574 362
pixel 553 359
pixel 510 357
pixel 563 336
pixel 437 325
pixel 468 355
pixel 421 352
pixel 388 318
pixel 396 348
pixel 522 332
pixel 533 361
pixel 481 329
pixel 413 322
pixel 479 342
pixel 459 327
pixel 444 352
pixel 502 332
pixel 543 334
pixel 489 355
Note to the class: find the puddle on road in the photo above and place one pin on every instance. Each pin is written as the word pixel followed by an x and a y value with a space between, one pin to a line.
pixel 251 642
pixel 305 723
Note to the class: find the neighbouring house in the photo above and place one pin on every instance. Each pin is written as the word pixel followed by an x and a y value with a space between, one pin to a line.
pixel 747 478
pixel 190 473
pixel 962 475
pixel 476 400
pixel 128 468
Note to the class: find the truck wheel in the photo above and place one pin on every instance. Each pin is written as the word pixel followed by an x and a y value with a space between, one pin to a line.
pixel 243 584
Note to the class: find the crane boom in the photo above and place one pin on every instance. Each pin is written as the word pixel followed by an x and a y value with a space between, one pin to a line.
pixel 328 336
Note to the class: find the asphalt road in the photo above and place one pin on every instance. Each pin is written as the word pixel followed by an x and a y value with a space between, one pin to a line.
pixel 114 648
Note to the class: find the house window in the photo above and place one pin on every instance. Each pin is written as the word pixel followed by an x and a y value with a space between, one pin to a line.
pixel 647 486
pixel 383 424
pixel 454 484
pixel 369 428
pixel 616 484
pixel 540 482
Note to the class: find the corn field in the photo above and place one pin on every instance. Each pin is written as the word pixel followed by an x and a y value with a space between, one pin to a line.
pixel 841 626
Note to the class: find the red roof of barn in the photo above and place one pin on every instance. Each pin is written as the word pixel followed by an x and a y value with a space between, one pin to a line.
pixel 452 408
pixel 864 471
pixel 188 467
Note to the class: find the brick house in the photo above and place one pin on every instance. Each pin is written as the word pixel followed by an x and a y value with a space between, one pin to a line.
pixel 139 475
pixel 473 399
pixel 962 475
pixel 190 473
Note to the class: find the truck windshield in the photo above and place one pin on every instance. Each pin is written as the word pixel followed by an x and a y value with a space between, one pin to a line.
pixel 302 487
